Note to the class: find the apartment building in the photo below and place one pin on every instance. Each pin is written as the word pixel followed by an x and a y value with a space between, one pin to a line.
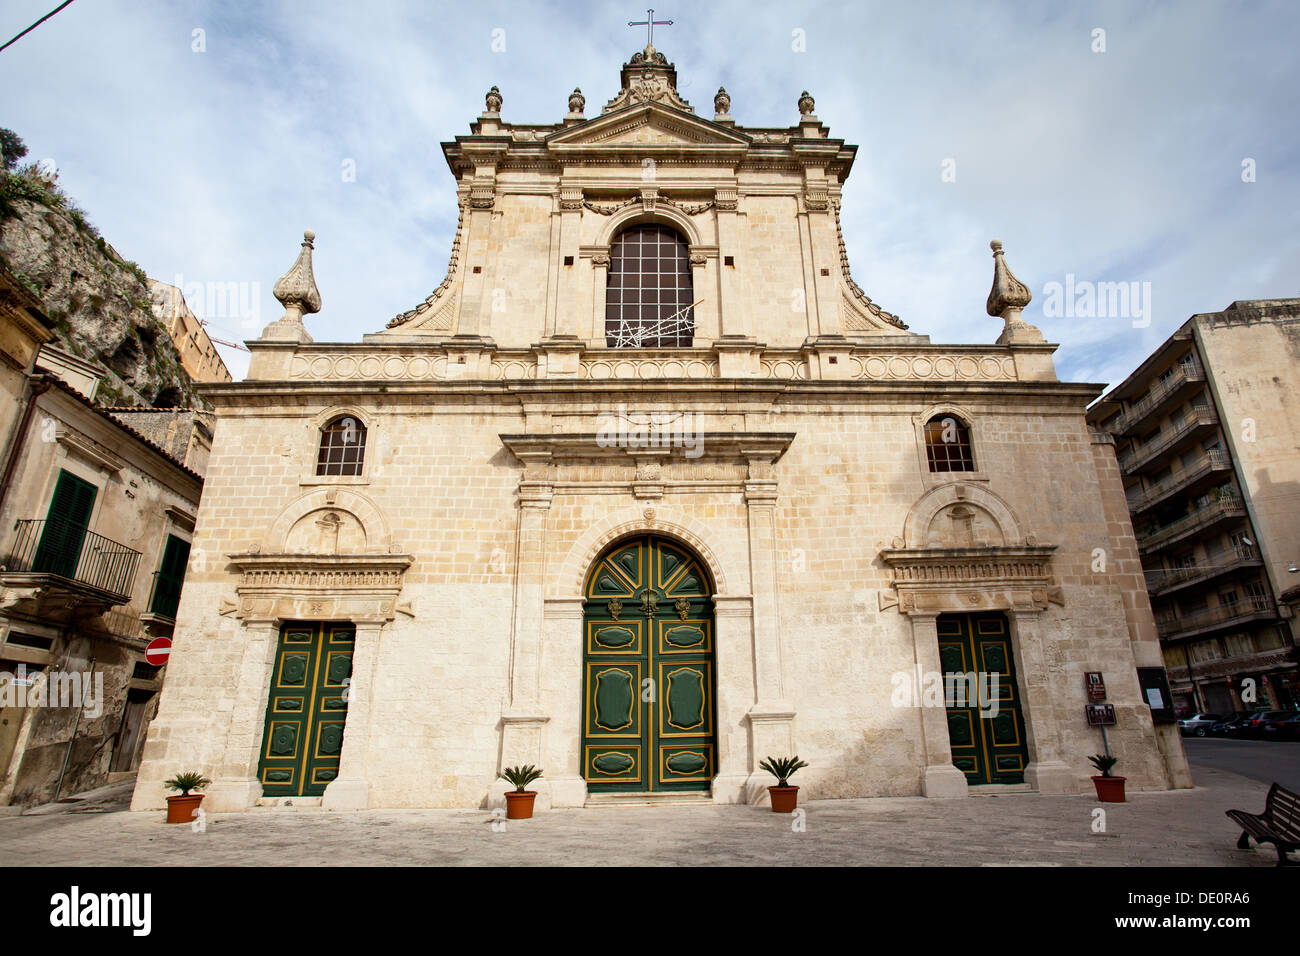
pixel 1210 454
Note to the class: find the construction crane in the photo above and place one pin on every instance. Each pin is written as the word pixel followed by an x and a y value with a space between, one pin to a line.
pixel 213 338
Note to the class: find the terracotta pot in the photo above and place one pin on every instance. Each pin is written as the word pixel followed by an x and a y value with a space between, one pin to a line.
pixel 519 806
pixel 181 809
pixel 784 799
pixel 1109 789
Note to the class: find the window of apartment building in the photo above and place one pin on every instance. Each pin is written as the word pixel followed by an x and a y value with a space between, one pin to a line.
pixel 1237 540
pixel 1270 638
pixel 1206 651
pixel 1239 645
pixel 1176 416
pixel 1185 560
pixel 1257 590
pixel 1229 597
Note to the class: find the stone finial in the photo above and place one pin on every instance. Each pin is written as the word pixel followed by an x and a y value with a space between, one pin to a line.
pixel 806 104
pixel 722 102
pixel 296 289
pixel 1007 298
pixel 577 102
pixel 493 100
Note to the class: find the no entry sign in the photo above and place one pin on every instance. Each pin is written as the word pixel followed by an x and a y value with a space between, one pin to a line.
pixel 158 650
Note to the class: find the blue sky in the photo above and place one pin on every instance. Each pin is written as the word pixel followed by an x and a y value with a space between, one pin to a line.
pixel 1115 166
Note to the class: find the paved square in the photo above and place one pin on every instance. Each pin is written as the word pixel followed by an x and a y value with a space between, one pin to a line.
pixel 1177 828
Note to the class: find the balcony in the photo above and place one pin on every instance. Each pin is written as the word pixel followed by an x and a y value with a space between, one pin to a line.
pixel 1177 386
pixel 1233 560
pixel 1194 478
pixel 56 566
pixel 1251 608
pixel 1202 419
pixel 1227 508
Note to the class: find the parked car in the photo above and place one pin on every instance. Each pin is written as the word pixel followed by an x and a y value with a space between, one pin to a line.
pixel 1255 726
pixel 1230 726
pixel 1281 728
pixel 1198 724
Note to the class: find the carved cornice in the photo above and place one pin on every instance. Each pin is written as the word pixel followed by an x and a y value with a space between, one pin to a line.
pixel 937 580
pixel 341 587
pixel 714 446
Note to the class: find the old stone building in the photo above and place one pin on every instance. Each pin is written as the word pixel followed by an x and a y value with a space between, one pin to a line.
pixel 96 511
pixel 646 490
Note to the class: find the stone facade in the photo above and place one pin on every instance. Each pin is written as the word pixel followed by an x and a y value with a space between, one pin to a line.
pixel 508 446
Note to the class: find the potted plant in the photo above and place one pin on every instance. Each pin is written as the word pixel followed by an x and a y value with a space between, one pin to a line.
pixel 519 802
pixel 784 797
pixel 1110 789
pixel 180 808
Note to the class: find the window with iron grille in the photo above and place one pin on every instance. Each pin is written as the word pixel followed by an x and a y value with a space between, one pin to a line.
pixel 342 447
pixel 947 445
pixel 649 292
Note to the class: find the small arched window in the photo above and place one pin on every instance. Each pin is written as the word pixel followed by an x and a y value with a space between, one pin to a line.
pixel 342 447
pixel 648 296
pixel 947 444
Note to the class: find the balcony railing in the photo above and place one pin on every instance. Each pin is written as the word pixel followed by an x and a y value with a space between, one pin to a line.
pixel 1209 462
pixel 1187 371
pixel 1214 617
pixel 1201 416
pixel 1229 506
pixel 1235 557
pixel 67 550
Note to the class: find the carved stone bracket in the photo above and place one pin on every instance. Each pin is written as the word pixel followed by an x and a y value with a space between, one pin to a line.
pixel 339 587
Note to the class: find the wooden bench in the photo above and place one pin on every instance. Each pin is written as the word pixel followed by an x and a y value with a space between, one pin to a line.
pixel 1279 824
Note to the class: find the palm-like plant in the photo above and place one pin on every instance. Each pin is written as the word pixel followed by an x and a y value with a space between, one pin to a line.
pixel 521 777
pixel 782 768
pixel 1103 762
pixel 185 782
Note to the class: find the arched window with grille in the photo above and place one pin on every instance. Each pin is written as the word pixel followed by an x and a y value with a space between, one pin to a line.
pixel 947 444
pixel 649 293
pixel 342 447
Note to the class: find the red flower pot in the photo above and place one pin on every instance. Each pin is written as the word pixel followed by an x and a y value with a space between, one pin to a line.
pixel 180 809
pixel 519 806
pixel 1109 789
pixel 784 799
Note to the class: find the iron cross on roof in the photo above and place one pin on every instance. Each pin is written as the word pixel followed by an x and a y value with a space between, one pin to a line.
pixel 650 23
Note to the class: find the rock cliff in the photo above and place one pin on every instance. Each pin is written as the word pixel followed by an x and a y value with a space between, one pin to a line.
pixel 99 300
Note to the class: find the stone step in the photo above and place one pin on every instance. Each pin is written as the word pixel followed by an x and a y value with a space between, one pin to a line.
pixel 289 803
pixel 999 789
pixel 600 800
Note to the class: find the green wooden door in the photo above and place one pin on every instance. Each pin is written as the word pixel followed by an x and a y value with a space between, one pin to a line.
pixel 306 709
pixel 65 526
pixel 648 670
pixel 988 744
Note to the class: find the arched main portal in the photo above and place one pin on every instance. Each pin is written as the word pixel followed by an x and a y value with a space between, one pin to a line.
pixel 648 682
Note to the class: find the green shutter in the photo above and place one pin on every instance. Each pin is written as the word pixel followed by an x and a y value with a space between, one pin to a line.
pixel 171 574
pixel 65 526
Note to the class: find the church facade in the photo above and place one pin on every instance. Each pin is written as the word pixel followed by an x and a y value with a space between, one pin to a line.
pixel 649 489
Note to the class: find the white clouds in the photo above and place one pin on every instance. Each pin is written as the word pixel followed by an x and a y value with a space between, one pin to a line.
pixel 1122 166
